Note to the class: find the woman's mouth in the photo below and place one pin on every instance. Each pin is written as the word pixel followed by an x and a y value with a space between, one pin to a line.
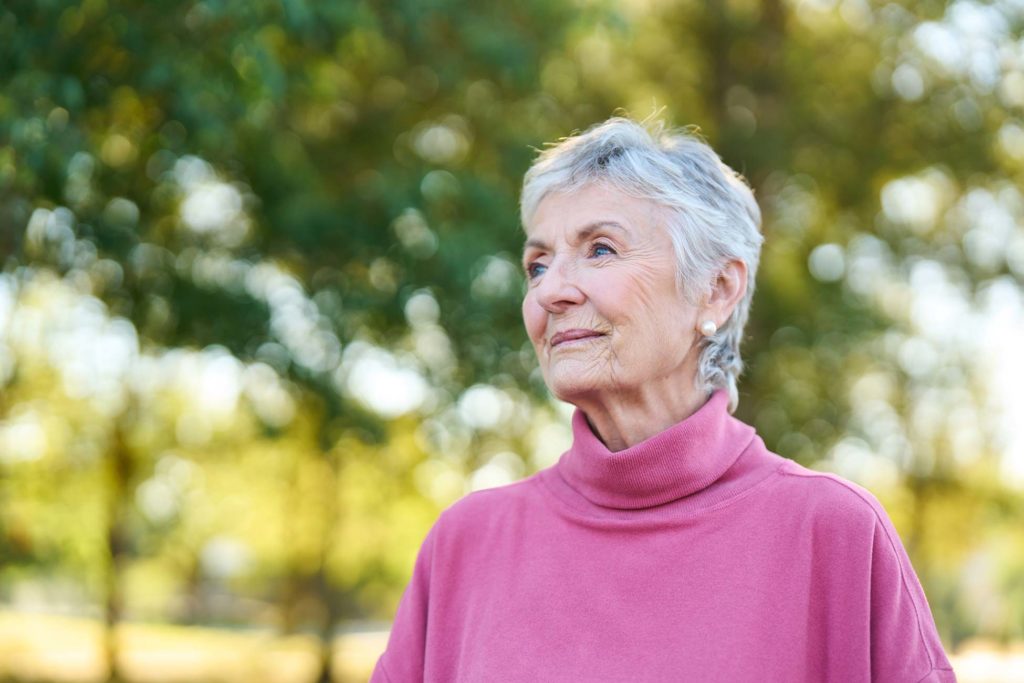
pixel 574 337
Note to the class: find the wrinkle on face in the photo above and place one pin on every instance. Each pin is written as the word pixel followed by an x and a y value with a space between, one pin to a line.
pixel 633 296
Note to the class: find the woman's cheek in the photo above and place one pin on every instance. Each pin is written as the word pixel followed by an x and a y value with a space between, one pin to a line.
pixel 533 318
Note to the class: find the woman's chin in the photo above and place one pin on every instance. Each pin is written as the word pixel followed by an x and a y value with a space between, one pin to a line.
pixel 570 387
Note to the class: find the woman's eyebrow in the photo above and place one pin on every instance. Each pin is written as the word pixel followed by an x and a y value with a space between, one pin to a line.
pixel 534 244
pixel 581 234
pixel 589 229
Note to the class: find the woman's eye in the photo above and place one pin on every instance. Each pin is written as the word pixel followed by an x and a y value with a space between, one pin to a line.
pixel 601 250
pixel 535 269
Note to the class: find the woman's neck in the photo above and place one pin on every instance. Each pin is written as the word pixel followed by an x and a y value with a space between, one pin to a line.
pixel 624 420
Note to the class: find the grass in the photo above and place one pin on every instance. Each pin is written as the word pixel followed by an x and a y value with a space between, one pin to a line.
pixel 37 648
pixel 40 648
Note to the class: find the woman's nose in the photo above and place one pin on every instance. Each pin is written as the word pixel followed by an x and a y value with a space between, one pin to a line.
pixel 558 287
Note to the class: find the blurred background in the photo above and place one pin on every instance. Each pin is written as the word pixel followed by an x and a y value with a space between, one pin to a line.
pixel 259 297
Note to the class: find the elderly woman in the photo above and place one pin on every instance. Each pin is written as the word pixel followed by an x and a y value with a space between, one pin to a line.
pixel 667 543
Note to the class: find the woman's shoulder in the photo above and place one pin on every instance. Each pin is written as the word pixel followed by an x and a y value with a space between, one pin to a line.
pixel 834 514
pixel 497 504
pixel 829 495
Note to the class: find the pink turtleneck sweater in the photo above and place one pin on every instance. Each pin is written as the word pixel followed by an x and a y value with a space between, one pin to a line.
pixel 696 555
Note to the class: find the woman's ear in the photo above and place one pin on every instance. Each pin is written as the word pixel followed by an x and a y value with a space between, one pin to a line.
pixel 726 292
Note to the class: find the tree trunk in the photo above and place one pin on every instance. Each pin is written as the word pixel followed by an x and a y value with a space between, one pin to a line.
pixel 327 595
pixel 120 475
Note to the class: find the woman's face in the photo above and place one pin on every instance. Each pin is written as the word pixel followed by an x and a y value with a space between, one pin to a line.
pixel 602 306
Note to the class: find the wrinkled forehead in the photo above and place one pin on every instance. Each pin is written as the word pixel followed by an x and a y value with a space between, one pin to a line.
pixel 565 213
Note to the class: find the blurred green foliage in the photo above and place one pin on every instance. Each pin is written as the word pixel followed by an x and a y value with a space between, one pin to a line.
pixel 259 310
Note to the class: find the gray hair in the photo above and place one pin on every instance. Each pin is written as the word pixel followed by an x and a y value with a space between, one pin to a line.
pixel 713 217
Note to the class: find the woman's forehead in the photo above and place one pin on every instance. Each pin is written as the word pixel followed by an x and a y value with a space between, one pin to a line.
pixel 578 214
pixel 580 234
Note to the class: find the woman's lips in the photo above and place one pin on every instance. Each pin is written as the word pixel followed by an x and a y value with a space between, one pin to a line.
pixel 573 335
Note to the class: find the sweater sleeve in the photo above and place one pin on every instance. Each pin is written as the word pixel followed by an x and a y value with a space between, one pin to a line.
pixel 905 644
pixel 403 659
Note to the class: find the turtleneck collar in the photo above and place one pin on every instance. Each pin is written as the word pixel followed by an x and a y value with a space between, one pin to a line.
pixel 676 463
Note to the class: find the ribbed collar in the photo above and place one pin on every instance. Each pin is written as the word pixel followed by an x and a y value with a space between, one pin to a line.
pixel 678 462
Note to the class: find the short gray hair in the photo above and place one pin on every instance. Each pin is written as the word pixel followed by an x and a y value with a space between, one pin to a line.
pixel 713 217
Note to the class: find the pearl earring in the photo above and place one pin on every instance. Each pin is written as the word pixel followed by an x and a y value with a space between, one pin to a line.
pixel 708 328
